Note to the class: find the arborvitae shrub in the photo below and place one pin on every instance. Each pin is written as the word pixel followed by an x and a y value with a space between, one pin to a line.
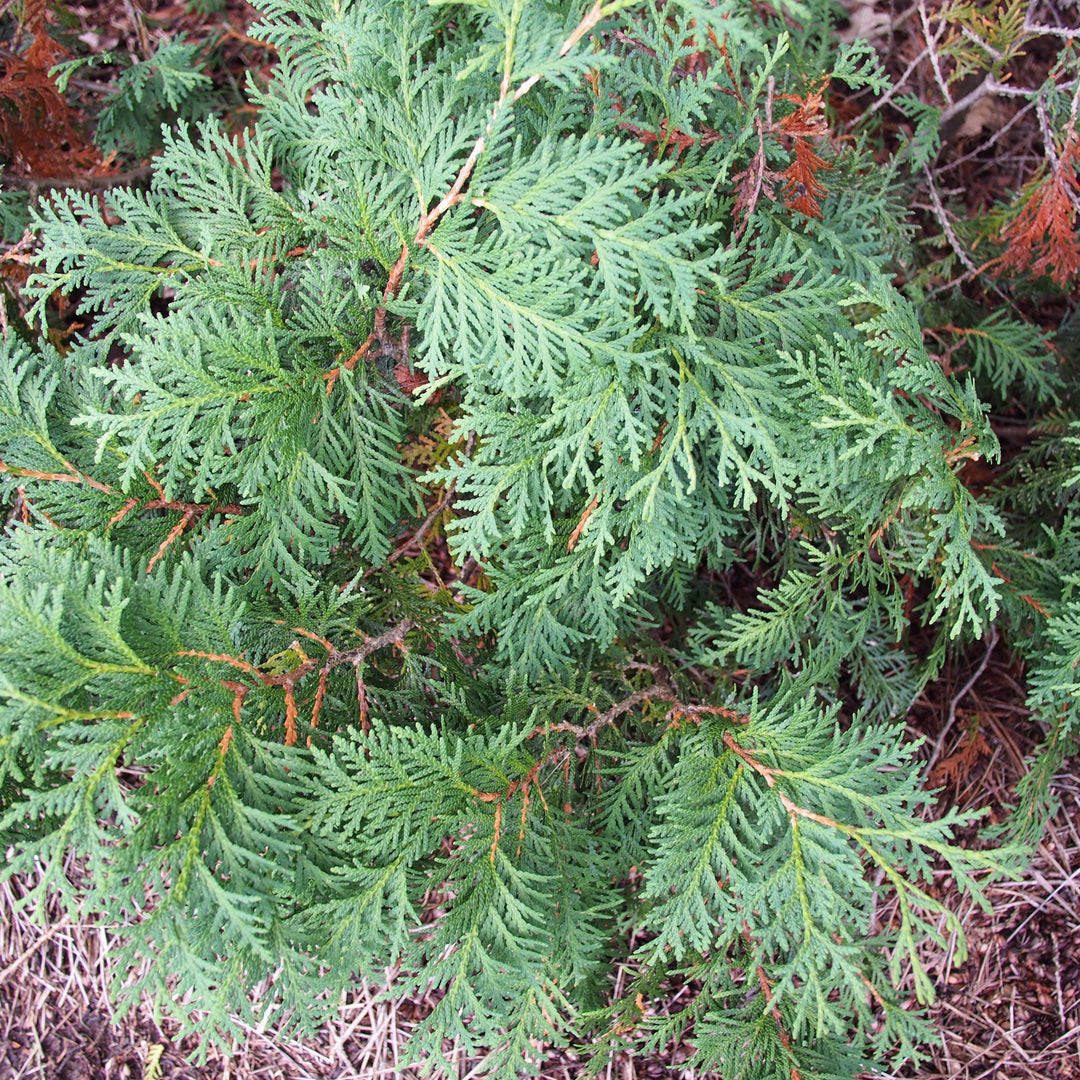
pixel 593 296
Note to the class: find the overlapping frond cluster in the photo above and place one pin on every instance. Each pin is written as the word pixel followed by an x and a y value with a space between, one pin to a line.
pixel 619 448
pixel 764 863
pixel 1042 565
pixel 167 86
pixel 270 739
pixel 106 669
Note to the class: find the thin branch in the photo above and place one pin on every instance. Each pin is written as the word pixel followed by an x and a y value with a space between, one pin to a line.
pixel 1048 137
pixel 767 991
pixel 1053 31
pixel 661 690
pixel 895 88
pixel 987 86
pixel 1049 144
pixel 946 227
pixel 174 532
pixel 287 680
pixel 769 775
pixel 421 532
pixel 33 948
pixel 592 17
pixel 74 477
pixel 454 196
pixel 940 741
pixel 982 147
pixel 436 510
pixel 931 41
pixel 394 636
pixel 984 45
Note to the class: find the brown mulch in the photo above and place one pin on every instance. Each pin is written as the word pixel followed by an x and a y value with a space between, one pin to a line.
pixel 1011 1011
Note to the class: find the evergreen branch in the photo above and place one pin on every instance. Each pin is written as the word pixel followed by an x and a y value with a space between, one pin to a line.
pixel 454 195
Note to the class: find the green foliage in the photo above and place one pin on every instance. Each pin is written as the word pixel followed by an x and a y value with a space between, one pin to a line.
pixel 1054 695
pixel 159 91
pixel 1042 562
pixel 14 215
pixel 925 140
pixel 269 694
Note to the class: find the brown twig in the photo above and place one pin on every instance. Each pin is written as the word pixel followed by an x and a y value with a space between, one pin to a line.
pixel 289 679
pixel 440 505
pixel 190 511
pixel 939 743
pixel 174 532
pixel 421 532
pixel 73 477
pixel 767 992
pixel 582 522
pixel 661 690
